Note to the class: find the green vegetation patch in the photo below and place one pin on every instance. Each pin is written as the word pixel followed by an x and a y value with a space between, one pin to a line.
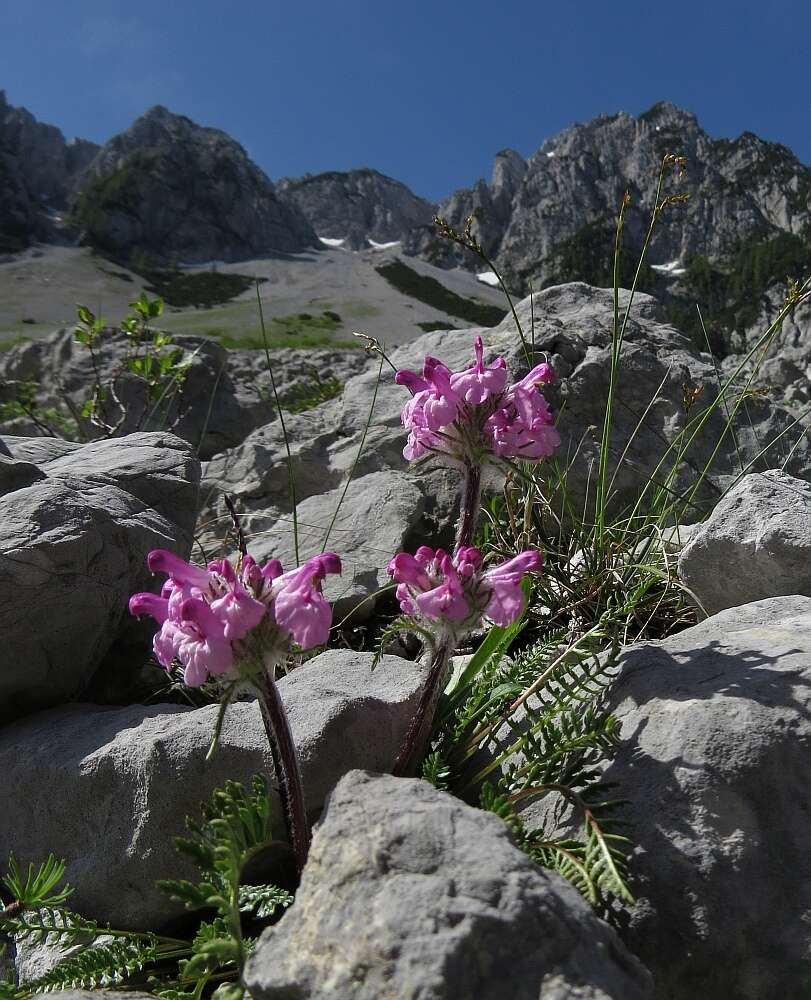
pixel 588 255
pixel 433 293
pixel 731 296
pixel 313 392
pixel 433 325
pixel 203 289
pixel 297 330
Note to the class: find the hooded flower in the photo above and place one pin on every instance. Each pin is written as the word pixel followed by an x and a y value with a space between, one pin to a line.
pixel 456 591
pixel 471 414
pixel 207 616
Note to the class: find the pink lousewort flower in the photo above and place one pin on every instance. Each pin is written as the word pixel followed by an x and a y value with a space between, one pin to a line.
pixel 456 591
pixel 470 415
pixel 210 619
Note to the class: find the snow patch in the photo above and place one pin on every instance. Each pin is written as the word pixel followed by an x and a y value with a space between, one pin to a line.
pixel 381 246
pixel 672 269
pixel 487 278
pixel 550 154
pixel 658 128
pixel 328 241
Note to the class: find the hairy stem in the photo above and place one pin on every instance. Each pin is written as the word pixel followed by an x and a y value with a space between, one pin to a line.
pixel 470 505
pixel 419 732
pixel 286 764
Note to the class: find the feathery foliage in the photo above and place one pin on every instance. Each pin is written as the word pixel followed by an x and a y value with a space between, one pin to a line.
pixel 235 825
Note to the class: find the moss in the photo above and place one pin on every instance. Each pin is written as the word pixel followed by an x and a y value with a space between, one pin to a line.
pixel 433 293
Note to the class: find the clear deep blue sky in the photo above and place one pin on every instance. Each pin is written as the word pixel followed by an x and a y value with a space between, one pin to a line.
pixel 426 92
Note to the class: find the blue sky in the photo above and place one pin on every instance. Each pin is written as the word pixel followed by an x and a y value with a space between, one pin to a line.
pixel 424 91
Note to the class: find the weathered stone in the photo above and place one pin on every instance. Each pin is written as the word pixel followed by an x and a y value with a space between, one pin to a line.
pixel 225 393
pixel 108 788
pixel 73 548
pixel 408 893
pixel 37 450
pixel 714 763
pixel 382 514
pixel 573 330
pixel 16 474
pixel 755 544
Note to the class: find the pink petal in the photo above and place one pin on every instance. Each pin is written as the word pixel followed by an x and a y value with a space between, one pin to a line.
pixel 149 604
pixel 163 561
pixel 305 615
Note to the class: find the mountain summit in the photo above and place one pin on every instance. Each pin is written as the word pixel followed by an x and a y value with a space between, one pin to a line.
pixel 167 188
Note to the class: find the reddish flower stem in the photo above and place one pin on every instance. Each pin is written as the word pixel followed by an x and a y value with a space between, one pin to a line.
pixel 419 731
pixel 469 513
pixel 286 765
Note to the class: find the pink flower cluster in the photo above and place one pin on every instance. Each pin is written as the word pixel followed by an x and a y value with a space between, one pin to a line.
pixel 455 590
pixel 470 414
pixel 205 613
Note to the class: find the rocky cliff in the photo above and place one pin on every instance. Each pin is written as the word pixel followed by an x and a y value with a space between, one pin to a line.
pixel 168 189
pixel 38 169
pixel 746 226
pixel 357 205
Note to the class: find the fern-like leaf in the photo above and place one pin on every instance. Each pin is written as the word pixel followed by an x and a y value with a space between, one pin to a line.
pixel 98 967
pixel 263 900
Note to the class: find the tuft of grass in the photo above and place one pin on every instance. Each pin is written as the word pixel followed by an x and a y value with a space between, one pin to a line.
pixel 433 293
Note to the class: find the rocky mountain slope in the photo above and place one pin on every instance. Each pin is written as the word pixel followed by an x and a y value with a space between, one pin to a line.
pixel 169 189
pixel 356 206
pixel 745 227
pixel 38 169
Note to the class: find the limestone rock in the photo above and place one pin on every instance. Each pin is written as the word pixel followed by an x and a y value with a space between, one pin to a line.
pixel 73 547
pixel 410 893
pixel 108 788
pixel 381 514
pixel 225 395
pixel 572 330
pixel 714 763
pixel 756 544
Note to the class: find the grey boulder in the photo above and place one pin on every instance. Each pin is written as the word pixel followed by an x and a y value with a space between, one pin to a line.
pixel 408 893
pixel 108 788
pixel 381 514
pixel 572 330
pixel 755 544
pixel 714 760
pixel 73 545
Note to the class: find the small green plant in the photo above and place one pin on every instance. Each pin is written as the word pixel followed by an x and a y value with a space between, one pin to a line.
pixel 313 392
pixel 235 826
pixel 534 728
pixel 24 403
pixel 150 363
